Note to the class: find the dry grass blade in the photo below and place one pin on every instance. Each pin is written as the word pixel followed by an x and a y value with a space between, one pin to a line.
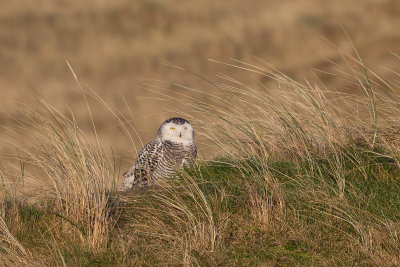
pixel 11 250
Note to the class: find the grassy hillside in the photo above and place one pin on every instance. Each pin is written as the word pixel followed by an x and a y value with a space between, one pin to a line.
pixel 307 178
pixel 220 215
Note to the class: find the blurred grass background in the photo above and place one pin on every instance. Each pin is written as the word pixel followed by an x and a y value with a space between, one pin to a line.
pixel 117 47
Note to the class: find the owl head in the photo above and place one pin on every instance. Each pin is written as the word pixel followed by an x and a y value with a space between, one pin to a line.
pixel 176 130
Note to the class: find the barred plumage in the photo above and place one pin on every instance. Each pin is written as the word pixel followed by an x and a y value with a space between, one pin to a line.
pixel 161 158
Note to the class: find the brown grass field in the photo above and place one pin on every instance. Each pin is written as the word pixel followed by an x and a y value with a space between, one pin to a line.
pixel 295 105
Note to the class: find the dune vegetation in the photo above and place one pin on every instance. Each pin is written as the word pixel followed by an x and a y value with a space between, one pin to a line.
pixel 304 175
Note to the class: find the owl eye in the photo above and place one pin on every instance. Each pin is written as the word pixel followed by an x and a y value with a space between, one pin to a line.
pixel 185 128
pixel 172 128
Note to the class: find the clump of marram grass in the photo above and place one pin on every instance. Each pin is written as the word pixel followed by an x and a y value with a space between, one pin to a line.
pixel 173 221
pixel 81 177
pixel 302 124
pixel 79 180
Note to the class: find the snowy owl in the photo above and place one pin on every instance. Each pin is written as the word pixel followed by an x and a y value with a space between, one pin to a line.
pixel 173 147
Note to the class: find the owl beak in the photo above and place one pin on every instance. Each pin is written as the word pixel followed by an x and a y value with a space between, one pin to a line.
pixel 180 134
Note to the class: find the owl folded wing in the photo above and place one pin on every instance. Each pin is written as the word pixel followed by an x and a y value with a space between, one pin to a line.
pixel 142 172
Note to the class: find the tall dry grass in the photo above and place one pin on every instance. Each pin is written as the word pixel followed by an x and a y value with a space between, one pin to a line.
pixel 81 176
pixel 175 220
pixel 78 181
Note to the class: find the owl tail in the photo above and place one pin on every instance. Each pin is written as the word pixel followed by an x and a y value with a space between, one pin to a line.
pixel 128 181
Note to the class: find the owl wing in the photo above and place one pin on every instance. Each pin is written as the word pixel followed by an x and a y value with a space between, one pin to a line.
pixel 193 151
pixel 142 171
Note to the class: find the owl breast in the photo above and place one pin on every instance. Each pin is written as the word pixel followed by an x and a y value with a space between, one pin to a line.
pixel 174 156
pixel 157 160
